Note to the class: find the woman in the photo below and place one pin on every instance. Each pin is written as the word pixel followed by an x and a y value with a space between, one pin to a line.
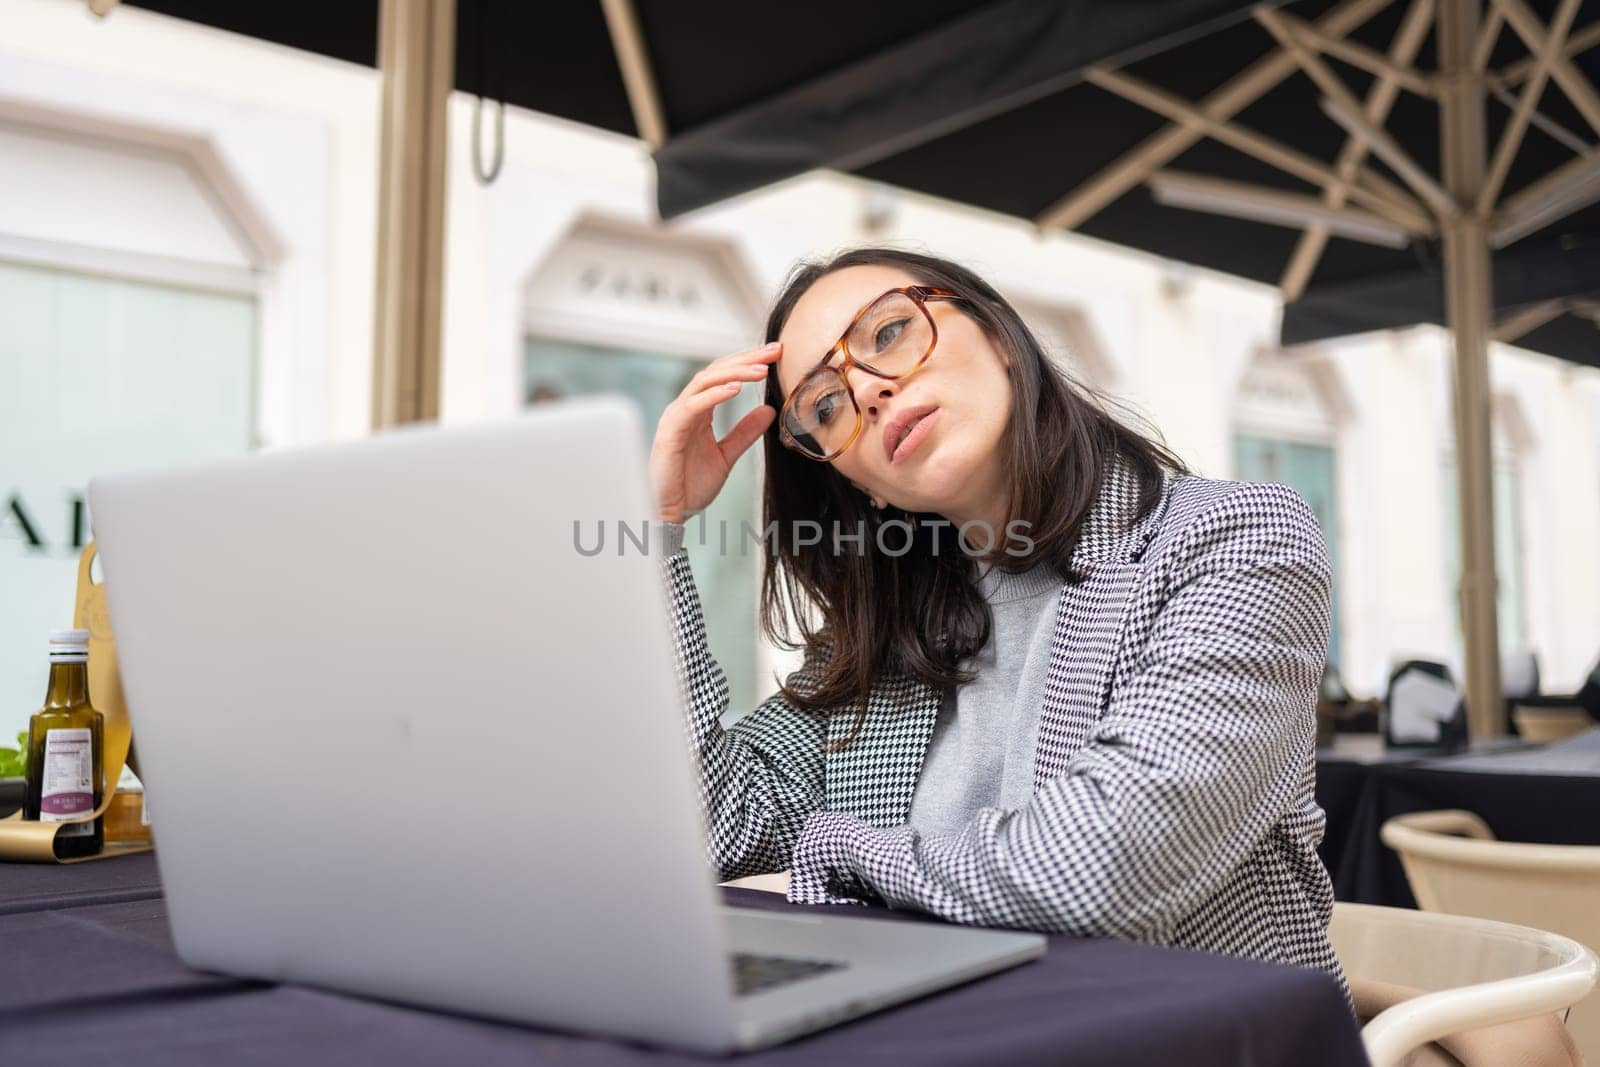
pixel 1108 732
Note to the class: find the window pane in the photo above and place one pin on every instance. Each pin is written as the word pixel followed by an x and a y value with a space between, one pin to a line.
pixel 96 375
pixel 1308 470
pixel 1507 552
pixel 727 579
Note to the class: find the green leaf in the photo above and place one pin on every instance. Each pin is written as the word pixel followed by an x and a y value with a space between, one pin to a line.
pixel 14 761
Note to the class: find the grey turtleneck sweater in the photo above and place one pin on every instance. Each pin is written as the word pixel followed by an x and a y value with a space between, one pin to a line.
pixel 982 750
pixel 981 754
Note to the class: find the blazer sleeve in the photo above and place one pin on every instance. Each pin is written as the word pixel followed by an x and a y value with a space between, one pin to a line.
pixel 760 779
pixel 1200 753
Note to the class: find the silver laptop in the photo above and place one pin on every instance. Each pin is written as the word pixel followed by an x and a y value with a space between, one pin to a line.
pixel 402 738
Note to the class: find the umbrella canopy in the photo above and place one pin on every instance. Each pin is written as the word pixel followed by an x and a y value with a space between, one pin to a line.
pixel 1173 126
pixel 1218 145
pixel 1545 296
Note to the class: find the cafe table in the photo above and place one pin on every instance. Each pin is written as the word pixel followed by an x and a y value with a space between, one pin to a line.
pixel 90 975
pixel 54 886
pixel 1544 794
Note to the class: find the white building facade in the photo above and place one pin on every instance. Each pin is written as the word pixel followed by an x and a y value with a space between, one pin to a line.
pixel 187 250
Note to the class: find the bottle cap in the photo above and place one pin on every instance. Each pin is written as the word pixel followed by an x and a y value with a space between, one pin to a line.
pixel 69 646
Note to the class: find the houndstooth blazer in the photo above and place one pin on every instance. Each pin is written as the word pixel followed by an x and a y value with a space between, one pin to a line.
pixel 1173 785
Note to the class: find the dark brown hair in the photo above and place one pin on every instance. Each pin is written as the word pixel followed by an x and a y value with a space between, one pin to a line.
pixel 919 614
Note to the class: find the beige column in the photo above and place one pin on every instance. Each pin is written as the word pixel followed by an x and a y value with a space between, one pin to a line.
pixel 1469 306
pixel 416 52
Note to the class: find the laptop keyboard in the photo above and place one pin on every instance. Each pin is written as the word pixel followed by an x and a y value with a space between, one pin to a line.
pixel 754 974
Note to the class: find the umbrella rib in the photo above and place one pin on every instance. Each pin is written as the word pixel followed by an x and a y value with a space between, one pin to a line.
pixel 1353 120
pixel 1257 203
pixel 1488 34
pixel 1391 152
pixel 1549 125
pixel 1514 74
pixel 1566 75
pixel 1511 137
pixel 1573 185
pixel 633 56
pixel 1527 320
pixel 1258 145
pixel 1357 55
pixel 1134 166
pixel 1381 98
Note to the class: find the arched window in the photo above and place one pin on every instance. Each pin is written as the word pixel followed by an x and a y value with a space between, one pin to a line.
pixel 129 293
pixel 619 307
pixel 1286 417
pixel 1513 439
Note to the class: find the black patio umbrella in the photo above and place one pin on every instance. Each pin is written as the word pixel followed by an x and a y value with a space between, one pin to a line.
pixel 1546 293
pixel 1246 110
pixel 1425 150
pixel 1025 106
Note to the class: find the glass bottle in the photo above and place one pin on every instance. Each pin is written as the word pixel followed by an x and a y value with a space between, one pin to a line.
pixel 65 770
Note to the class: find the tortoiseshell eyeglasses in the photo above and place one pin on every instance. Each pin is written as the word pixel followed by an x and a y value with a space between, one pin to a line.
pixel 892 338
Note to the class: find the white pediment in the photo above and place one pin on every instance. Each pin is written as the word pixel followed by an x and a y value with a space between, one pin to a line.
pixel 69 190
pixel 631 286
pixel 1295 396
pixel 1069 337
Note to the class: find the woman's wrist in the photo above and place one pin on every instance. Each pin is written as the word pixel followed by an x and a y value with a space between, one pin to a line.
pixel 677 516
pixel 670 537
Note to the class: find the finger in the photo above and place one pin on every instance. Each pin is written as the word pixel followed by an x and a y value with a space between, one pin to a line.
pixel 745 432
pixel 714 376
pixel 695 409
pixel 753 357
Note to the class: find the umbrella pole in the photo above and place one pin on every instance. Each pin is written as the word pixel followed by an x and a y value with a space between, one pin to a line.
pixel 1468 302
pixel 416 50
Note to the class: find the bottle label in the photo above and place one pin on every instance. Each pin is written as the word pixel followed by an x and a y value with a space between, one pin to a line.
pixel 68 791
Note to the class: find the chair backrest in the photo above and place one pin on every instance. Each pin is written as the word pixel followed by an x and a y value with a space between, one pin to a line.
pixel 1423 706
pixel 1588 696
pixel 1543 724
pixel 1455 865
pixel 1477 972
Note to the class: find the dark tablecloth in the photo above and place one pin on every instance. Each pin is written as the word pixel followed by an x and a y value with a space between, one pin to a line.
pixel 45 886
pixel 101 983
pixel 1519 791
pixel 12 791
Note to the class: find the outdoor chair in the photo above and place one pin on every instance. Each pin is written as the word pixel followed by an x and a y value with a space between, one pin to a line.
pixel 1455 865
pixel 1485 992
pixel 1552 717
